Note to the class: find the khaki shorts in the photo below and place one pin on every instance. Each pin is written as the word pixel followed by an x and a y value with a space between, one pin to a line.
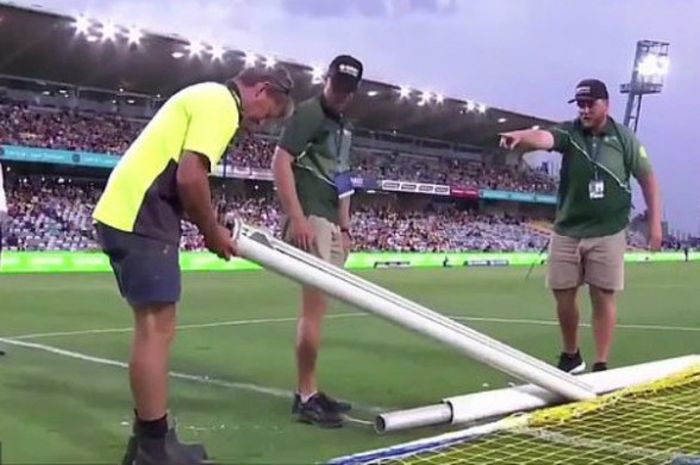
pixel 597 261
pixel 329 241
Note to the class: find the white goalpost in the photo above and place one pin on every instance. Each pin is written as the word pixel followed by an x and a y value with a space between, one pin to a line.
pixel 275 255
pixel 546 386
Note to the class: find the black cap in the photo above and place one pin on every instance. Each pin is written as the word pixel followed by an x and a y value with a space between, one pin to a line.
pixel 345 72
pixel 590 89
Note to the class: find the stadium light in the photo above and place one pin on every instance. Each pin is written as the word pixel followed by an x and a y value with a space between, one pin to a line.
pixel 482 108
pixel 134 35
pixel 373 93
pixel 270 62
pixel 404 92
pixel 109 31
pixel 217 52
pixel 82 24
pixel 425 98
pixel 250 59
pixel 317 74
pixel 535 127
pixel 471 105
pixel 177 54
pixel 439 98
pixel 196 48
pixel 502 120
pixel 653 65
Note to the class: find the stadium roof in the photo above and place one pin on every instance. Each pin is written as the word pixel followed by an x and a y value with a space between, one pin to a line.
pixel 44 45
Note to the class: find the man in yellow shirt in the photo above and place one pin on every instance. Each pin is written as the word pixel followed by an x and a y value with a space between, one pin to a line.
pixel 162 179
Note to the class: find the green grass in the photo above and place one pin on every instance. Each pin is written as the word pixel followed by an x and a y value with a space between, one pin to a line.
pixel 57 409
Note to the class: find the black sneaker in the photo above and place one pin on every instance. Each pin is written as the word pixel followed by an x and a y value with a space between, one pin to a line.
pixel 338 405
pixel 572 364
pixel 599 366
pixel 320 410
pixel 196 452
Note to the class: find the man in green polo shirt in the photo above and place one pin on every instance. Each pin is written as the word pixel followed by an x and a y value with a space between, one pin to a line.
pixel 595 198
pixel 162 179
pixel 311 167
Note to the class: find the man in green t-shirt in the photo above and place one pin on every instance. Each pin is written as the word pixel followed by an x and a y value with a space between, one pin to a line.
pixel 593 208
pixel 311 167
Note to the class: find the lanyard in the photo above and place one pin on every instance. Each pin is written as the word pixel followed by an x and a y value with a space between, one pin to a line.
pixel 340 136
pixel 594 145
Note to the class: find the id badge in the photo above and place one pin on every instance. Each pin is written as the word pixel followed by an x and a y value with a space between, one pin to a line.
pixel 596 190
pixel 343 184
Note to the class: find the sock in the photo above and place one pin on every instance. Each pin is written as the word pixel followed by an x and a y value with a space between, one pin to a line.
pixel 305 399
pixel 151 428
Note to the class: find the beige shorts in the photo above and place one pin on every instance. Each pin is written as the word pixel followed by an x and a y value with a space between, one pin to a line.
pixel 597 261
pixel 329 241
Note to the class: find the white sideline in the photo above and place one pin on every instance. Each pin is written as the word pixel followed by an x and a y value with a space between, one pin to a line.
pixel 524 321
pixel 250 387
pixel 180 327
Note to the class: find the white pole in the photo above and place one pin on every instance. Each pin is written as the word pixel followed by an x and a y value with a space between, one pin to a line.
pixel 260 247
pixel 479 406
pixel 417 308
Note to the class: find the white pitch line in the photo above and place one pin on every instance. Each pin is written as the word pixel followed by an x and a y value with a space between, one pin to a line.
pixel 180 327
pixel 274 392
pixel 348 315
pixel 586 325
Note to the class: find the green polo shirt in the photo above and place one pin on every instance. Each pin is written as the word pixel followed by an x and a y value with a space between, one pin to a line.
pixel 613 156
pixel 320 143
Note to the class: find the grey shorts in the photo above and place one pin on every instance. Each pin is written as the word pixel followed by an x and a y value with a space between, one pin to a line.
pixel 147 270
pixel 329 243
pixel 597 261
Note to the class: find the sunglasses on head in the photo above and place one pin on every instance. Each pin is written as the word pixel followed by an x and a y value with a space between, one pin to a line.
pixel 279 86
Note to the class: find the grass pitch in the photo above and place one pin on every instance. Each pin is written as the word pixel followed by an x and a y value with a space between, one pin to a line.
pixel 64 395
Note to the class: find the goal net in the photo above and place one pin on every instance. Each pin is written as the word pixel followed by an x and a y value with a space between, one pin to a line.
pixel 652 424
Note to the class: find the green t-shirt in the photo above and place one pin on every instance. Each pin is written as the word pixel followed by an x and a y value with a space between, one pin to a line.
pixel 612 156
pixel 320 143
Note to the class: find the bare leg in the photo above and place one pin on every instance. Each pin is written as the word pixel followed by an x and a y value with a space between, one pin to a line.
pixel 154 330
pixel 604 317
pixel 568 314
pixel 309 338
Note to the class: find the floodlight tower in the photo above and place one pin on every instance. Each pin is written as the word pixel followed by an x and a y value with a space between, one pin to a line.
pixel 651 65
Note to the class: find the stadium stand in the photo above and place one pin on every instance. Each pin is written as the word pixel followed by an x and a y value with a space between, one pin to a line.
pixel 55 214
pixel 53 128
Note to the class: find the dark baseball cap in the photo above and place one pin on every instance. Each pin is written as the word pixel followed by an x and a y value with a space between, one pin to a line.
pixel 345 72
pixel 590 89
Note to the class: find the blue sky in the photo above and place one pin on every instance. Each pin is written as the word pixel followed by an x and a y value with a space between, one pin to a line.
pixel 523 55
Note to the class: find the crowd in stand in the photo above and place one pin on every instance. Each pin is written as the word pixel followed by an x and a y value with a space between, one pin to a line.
pixel 20 125
pixel 112 134
pixel 55 214
pixel 50 215
pixel 447 229
pixel 455 172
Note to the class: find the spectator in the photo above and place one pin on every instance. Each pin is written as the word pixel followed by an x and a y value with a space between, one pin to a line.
pixel 112 134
